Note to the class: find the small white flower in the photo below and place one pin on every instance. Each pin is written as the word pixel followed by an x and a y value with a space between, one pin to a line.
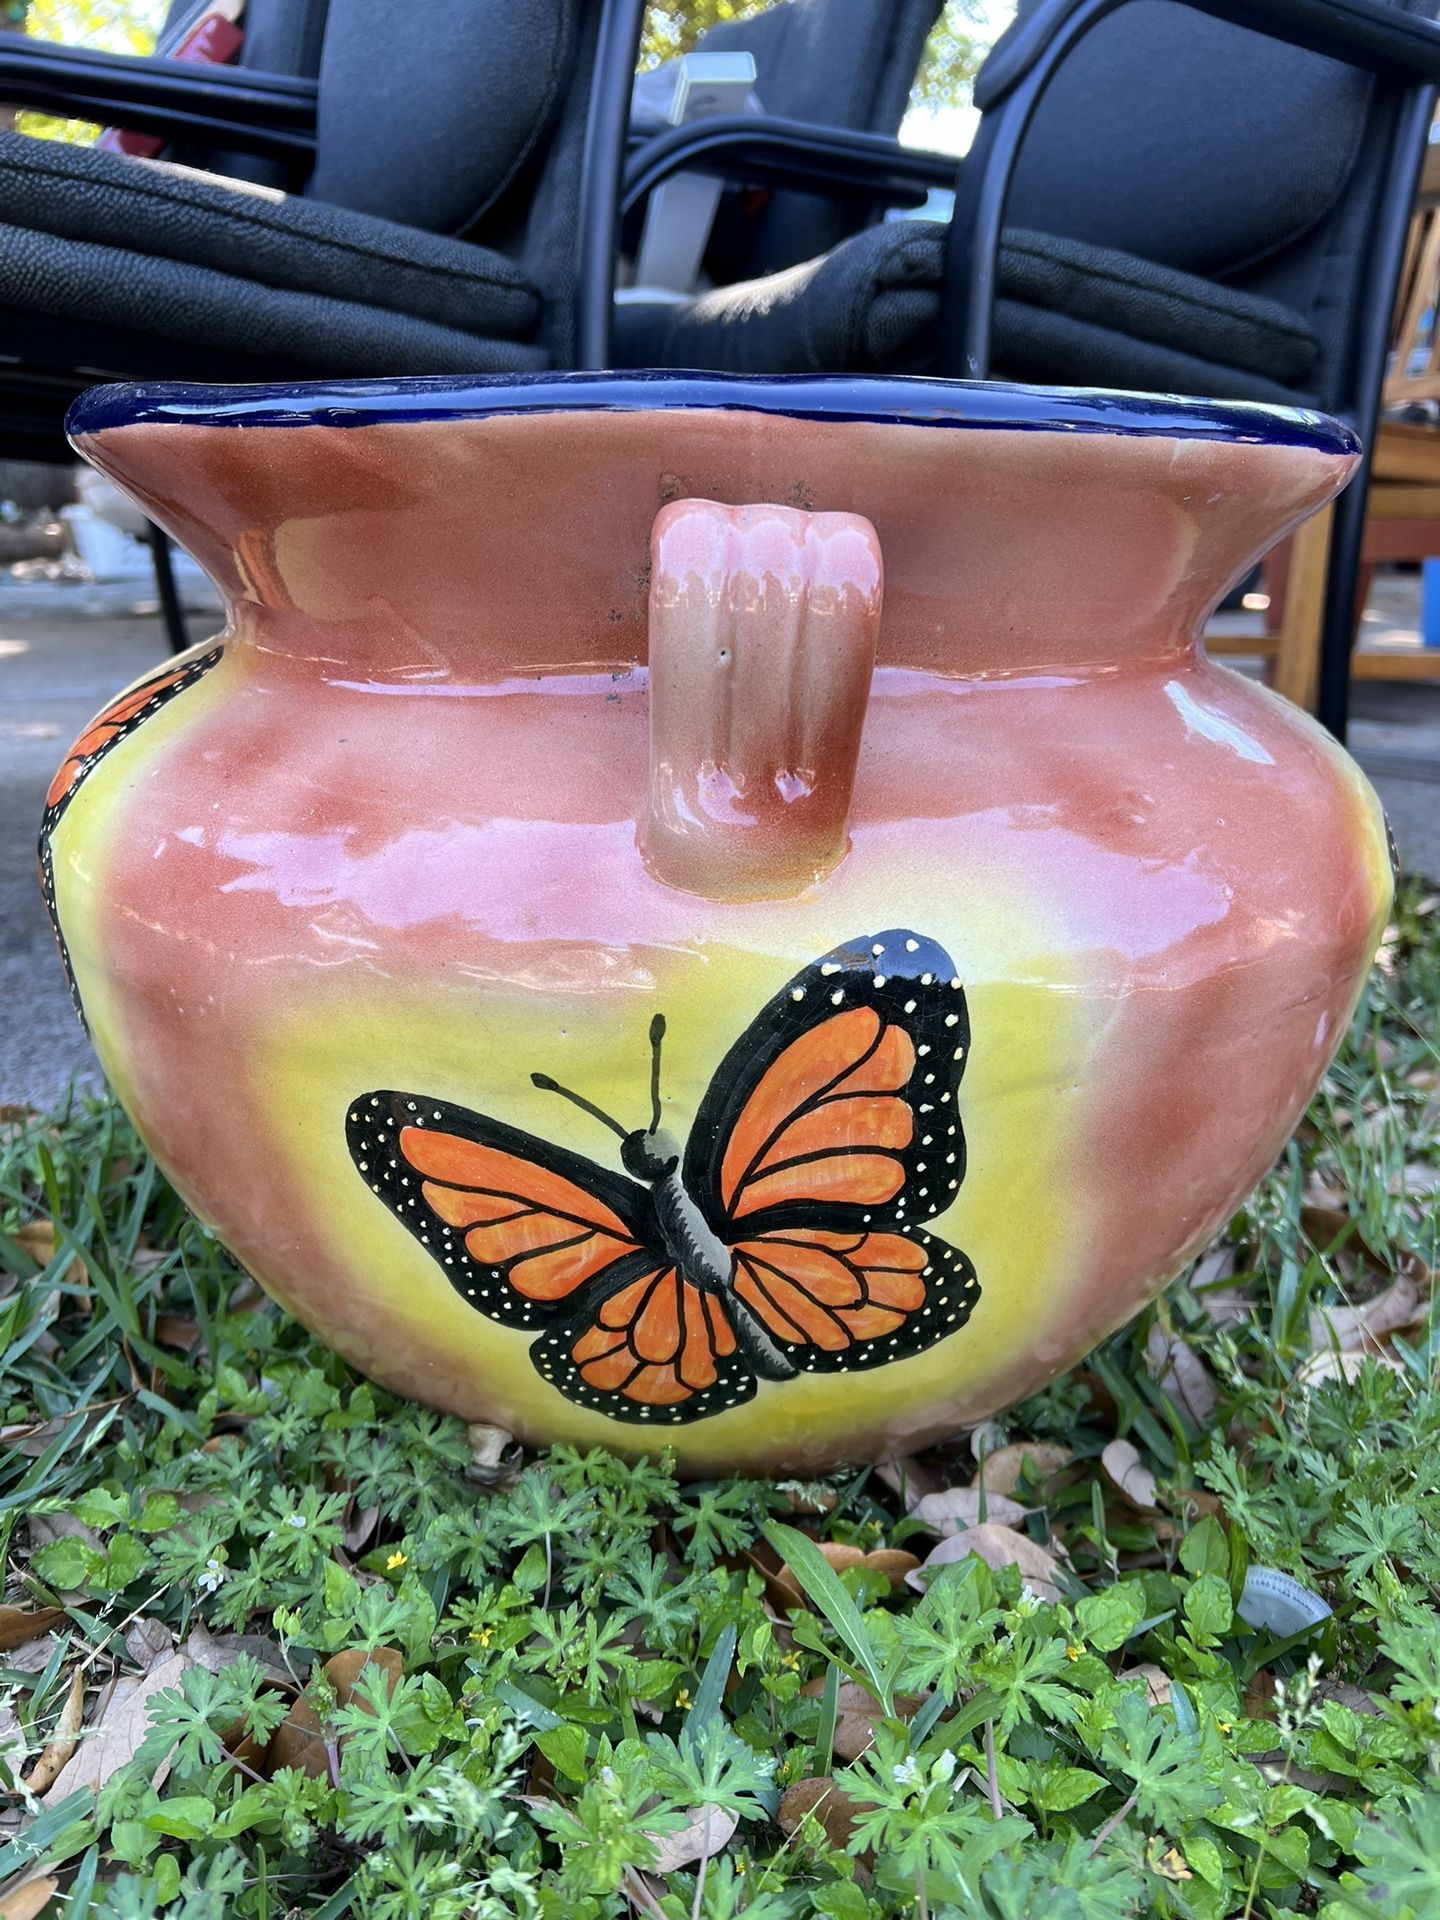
pixel 906 1773
pixel 296 1520
pixel 213 1576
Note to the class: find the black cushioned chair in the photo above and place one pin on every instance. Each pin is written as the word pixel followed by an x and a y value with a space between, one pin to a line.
pixel 436 157
pixel 841 63
pixel 1159 197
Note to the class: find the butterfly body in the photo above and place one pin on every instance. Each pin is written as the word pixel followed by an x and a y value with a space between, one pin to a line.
pixel 785 1239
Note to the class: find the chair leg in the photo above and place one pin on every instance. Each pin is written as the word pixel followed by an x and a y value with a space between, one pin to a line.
pixel 170 609
pixel 1297 659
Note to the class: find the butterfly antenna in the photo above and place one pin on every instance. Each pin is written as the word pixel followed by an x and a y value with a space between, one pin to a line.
pixel 547 1085
pixel 657 1034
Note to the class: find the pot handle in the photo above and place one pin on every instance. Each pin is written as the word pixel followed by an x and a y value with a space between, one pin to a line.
pixel 763 623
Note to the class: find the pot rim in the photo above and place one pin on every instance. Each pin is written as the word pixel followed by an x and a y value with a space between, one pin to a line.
pixel 892 400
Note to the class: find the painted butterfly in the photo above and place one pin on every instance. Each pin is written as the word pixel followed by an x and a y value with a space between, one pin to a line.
pixel 116 723
pixel 787 1239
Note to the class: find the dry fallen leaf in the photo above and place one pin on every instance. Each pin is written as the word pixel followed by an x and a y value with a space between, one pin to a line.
pixel 1157 1681
pixel 1000 1472
pixel 299 1740
pixel 28 1898
pixel 892 1562
pixel 997 1547
pixel 1321 1367
pixel 39 1240
pixel 955 1508
pixel 119 1727
pixel 19 1624
pixel 1356 1329
pixel 1181 1373
pixel 62 1742
pixel 148 1642
pixel 856 1713
pixel 836 1811
pixel 1128 1473
pixel 707 1832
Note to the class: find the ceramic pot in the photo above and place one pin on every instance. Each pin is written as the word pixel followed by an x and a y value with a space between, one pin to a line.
pixel 797 1046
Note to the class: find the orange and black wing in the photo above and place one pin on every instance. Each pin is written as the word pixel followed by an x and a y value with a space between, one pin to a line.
pixel 838 1107
pixel 120 719
pixel 544 1240
pixel 841 1302
pixel 116 723
pixel 830 1134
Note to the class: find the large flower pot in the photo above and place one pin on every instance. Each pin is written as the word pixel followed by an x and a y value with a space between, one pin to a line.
pixel 735 915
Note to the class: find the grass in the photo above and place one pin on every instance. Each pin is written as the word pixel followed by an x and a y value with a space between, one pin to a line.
pixel 280 1644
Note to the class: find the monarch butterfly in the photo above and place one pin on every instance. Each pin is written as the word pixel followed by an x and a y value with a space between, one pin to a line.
pixel 785 1239
pixel 116 723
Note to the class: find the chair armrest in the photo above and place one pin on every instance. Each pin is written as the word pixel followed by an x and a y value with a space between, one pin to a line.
pixel 230 106
pixel 1361 33
pixel 755 146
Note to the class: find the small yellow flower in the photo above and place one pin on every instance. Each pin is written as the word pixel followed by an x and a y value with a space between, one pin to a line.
pixel 480 1635
pixel 396 1561
pixel 1072 1652
pixel 791 1659
pixel 1225 1726
pixel 682 1699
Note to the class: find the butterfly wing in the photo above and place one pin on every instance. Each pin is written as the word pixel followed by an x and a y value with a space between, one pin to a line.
pixel 547 1241
pixel 656 1350
pixel 838 1107
pixel 831 1132
pixel 841 1302
pixel 119 719
pixel 115 723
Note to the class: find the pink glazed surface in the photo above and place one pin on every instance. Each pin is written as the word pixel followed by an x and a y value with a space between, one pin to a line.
pixel 391 841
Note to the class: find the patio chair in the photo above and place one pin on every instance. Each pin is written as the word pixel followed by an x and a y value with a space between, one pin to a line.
pixel 425 237
pixel 1201 196
pixel 841 63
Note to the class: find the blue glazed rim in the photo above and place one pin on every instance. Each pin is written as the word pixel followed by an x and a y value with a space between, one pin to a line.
pixel 893 400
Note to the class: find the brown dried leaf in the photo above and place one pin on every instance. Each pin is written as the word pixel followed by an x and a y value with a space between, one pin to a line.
pixel 997 1547
pixel 19 1624
pixel 1354 1329
pixel 361 1528
pixel 62 1743
pixel 28 1898
pixel 1321 1367
pixel 1001 1470
pixel 1157 1681
pixel 174 1330
pixel 1128 1473
pixel 40 1241
pixel 834 1809
pixel 856 1713
pixel 1182 1374
pixel 216 1650
pixel 299 1740
pixel 955 1508
pixel 891 1562
pixel 706 1833
pixel 148 1642
pixel 47 1527
pixel 120 1726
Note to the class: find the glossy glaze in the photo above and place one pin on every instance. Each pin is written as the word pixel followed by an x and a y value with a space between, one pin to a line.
pixel 392 839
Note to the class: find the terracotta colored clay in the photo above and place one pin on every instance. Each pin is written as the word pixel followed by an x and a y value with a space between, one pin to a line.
pixel 796 1049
